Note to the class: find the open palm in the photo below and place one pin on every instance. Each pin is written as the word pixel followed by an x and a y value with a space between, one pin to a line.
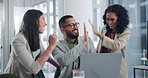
pixel 93 28
pixel 86 39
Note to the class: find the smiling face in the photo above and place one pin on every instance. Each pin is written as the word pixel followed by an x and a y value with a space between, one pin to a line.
pixel 41 23
pixel 111 20
pixel 70 31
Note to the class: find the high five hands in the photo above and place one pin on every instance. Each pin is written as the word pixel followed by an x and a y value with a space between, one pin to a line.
pixel 86 38
pixel 95 30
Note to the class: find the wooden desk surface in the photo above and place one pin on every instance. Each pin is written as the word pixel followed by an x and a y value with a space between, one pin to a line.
pixel 141 67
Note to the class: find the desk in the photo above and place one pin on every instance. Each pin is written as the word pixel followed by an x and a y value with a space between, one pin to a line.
pixel 139 68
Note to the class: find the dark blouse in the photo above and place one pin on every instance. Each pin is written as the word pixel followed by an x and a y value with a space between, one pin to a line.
pixel 111 36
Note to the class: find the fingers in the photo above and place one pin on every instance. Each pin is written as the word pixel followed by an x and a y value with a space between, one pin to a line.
pixel 90 23
pixel 93 28
pixel 85 29
pixel 52 39
pixel 86 40
pixel 54 35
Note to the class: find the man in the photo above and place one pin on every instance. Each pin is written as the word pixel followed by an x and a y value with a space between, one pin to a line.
pixel 67 51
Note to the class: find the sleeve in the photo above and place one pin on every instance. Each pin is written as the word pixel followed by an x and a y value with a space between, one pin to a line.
pixel 19 46
pixel 66 58
pixel 90 47
pixel 118 43
pixel 50 59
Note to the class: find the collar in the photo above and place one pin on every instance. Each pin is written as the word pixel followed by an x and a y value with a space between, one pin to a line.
pixel 68 41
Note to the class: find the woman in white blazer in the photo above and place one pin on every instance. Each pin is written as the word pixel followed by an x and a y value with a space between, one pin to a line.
pixel 27 53
pixel 115 34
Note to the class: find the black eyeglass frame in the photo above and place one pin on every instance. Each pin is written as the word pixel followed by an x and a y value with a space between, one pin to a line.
pixel 72 25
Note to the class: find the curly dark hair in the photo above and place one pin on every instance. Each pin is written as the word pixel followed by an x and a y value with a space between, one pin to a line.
pixel 123 19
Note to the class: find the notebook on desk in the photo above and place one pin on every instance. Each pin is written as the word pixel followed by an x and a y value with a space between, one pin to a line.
pixel 102 65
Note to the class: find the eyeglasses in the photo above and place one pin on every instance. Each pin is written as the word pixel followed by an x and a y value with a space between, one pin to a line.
pixel 72 25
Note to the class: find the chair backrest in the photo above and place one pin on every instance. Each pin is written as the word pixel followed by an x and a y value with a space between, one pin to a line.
pixel 7 76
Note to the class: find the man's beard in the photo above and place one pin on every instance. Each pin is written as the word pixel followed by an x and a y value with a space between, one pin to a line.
pixel 70 35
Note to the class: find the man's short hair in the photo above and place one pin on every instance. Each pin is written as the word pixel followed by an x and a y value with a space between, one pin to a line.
pixel 62 20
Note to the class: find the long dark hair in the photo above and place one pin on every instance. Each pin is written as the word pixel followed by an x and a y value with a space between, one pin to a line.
pixel 123 19
pixel 30 26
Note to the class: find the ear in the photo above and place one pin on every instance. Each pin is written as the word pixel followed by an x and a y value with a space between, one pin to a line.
pixel 62 30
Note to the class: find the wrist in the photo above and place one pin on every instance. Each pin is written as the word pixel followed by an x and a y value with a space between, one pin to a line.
pixel 84 42
pixel 101 36
pixel 50 47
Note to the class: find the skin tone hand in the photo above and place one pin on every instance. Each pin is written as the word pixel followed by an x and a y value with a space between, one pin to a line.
pixel 95 31
pixel 52 40
pixel 52 43
pixel 86 38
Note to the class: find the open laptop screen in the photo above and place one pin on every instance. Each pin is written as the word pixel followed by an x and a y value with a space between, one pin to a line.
pixel 102 65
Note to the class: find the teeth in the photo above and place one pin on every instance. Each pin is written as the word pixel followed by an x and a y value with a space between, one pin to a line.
pixel 75 31
pixel 111 26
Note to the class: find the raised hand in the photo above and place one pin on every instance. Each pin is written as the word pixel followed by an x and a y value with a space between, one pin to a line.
pixel 95 30
pixel 52 43
pixel 86 38
pixel 52 40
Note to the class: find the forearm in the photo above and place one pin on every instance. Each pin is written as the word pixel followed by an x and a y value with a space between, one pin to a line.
pixel 118 43
pixel 44 57
pixel 68 57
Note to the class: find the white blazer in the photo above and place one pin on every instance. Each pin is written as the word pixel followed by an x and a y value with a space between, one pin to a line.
pixel 117 46
pixel 21 62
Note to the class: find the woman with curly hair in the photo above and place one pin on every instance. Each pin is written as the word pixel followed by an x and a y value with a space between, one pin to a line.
pixel 115 34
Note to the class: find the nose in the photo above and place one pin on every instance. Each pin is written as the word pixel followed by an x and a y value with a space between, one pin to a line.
pixel 45 24
pixel 109 22
pixel 75 26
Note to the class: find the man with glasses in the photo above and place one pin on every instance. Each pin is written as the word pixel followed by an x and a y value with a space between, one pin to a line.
pixel 67 51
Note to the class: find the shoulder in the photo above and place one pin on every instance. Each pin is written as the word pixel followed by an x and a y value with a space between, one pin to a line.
pixel 126 34
pixel 126 31
pixel 19 38
pixel 61 42
pixel 81 38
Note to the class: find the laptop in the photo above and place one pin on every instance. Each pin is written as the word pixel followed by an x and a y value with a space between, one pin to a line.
pixel 101 65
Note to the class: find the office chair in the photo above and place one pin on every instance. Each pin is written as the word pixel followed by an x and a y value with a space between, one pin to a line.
pixel 7 76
